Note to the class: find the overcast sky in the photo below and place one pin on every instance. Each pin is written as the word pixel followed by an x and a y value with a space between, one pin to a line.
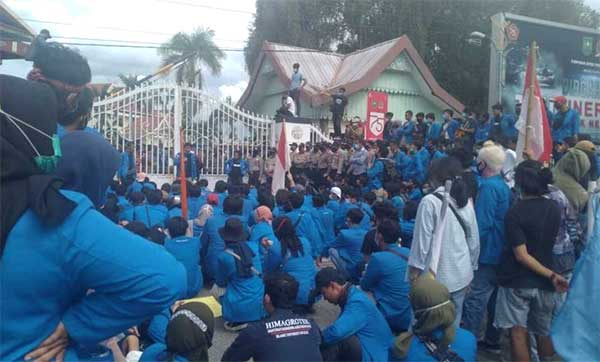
pixel 144 21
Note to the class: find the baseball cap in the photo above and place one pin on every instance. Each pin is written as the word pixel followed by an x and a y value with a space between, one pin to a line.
pixel 336 191
pixel 560 99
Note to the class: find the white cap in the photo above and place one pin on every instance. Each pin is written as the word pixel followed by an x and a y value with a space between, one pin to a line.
pixel 337 192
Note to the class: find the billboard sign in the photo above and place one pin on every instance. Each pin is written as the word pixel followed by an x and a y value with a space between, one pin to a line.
pixel 568 64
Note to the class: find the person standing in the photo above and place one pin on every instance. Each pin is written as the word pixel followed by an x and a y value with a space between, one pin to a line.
pixel 269 166
pixel 236 168
pixel 493 200
pixel 338 106
pixel 127 170
pixel 404 134
pixel 434 132
pixel 358 161
pixel 565 122
pixel 482 132
pixel 459 252
pixel 255 167
pixel 297 83
pixel 191 170
pixel 526 297
pixel 502 125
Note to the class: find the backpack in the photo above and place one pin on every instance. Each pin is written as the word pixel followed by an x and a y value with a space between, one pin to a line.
pixel 389 170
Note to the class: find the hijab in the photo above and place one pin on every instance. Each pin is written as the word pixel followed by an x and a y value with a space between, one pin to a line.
pixel 23 186
pixel 433 311
pixel 88 164
pixel 190 332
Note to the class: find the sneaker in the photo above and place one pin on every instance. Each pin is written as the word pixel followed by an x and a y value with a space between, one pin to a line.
pixel 234 327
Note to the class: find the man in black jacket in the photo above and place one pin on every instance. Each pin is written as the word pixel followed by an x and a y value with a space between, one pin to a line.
pixel 283 335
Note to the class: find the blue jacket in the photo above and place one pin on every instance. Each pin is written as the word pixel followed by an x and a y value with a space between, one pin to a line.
pixel 507 125
pixel 157 328
pixel 348 244
pixel 360 317
pixel 194 205
pixel 326 217
pixel 493 201
pixel 434 132
pixel 301 267
pixel 482 133
pixel 307 228
pixel 46 271
pixel 465 345
pixel 243 299
pixel 135 187
pixel 417 169
pixel 187 251
pixel 212 243
pixel 407 228
pixel 569 126
pixel 243 166
pixel 158 352
pixel 150 215
pixel 375 174
pixel 438 154
pixel 385 278
pixel 259 231
pixel 191 171
pixel 126 166
pixel 405 132
pixel 452 128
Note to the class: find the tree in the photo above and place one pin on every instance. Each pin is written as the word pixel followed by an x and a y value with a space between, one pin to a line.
pixel 438 29
pixel 198 50
pixel 129 80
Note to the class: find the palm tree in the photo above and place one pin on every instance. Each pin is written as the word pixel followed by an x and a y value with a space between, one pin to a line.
pixel 129 80
pixel 198 49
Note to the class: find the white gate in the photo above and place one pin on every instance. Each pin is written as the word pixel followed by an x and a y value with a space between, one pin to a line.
pixel 150 117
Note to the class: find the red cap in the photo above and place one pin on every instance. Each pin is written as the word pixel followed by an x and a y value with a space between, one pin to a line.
pixel 212 199
pixel 560 100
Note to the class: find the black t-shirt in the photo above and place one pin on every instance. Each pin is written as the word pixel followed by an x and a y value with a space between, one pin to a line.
pixel 338 103
pixel 284 336
pixel 533 222
pixel 369 245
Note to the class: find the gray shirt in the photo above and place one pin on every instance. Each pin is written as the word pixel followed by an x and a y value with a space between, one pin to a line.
pixel 297 79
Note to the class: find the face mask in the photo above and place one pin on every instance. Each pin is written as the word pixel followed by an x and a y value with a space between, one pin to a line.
pixel 445 116
pixel 47 164
pixel 355 147
pixel 428 120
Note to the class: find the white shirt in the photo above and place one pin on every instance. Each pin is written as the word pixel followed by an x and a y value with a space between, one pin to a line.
pixel 459 256
pixel 291 105
pixel 508 170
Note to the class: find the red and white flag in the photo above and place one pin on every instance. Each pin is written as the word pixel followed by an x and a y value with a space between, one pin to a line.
pixel 540 136
pixel 282 163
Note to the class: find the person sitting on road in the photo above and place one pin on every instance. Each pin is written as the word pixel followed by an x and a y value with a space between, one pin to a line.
pixel 283 335
pixel 360 332
pixel 185 249
pixel 345 252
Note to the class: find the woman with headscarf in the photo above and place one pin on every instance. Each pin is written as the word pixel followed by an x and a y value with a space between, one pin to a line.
pixel 189 336
pixel 55 246
pixel 294 257
pixel 263 237
pixel 568 173
pixel 239 270
pixel 434 335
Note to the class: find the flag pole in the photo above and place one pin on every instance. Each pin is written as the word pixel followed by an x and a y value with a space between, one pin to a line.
pixel 183 179
pixel 530 104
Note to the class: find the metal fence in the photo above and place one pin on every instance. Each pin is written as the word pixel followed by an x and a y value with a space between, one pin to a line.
pixel 150 117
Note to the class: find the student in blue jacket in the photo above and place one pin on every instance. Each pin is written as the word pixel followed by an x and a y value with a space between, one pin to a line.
pixel 345 251
pixel 236 168
pixel 434 132
pixel 491 205
pixel 154 213
pixel 303 222
pixel 407 222
pixel 263 236
pixel 189 336
pixel 352 202
pixel 402 160
pixel 359 320
pixel 385 277
pixel 55 247
pixel 565 122
pixel 326 218
pixel 135 199
pixel 212 242
pixel 435 315
pixel 482 133
pixel 195 201
pixel 239 271
pixel 502 125
pixel 295 259
pixel 186 249
pixel 377 171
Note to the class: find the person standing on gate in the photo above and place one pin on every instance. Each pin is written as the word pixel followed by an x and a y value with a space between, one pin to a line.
pixel 297 83
pixel 236 168
pixel 339 101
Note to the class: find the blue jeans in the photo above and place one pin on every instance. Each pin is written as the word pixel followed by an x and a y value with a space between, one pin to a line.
pixel 458 298
pixel 482 297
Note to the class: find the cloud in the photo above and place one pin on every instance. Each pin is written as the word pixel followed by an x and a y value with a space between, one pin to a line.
pixel 234 91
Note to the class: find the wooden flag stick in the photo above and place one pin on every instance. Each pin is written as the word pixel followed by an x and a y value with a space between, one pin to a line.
pixel 530 104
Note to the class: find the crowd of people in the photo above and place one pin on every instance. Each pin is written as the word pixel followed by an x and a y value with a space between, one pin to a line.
pixel 99 267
